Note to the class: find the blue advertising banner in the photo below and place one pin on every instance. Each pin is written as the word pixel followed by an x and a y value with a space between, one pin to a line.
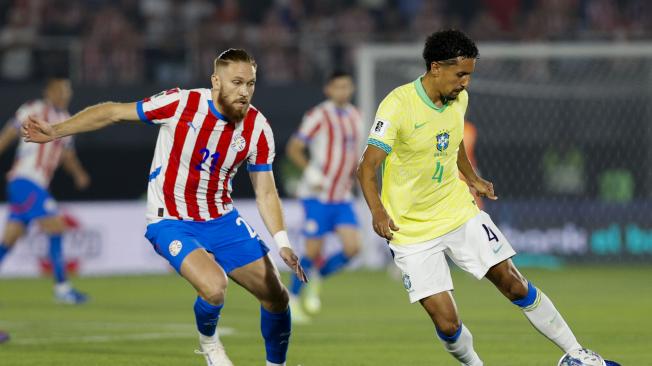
pixel 577 230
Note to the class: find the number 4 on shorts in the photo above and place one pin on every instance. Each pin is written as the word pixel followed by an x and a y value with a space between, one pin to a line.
pixel 490 234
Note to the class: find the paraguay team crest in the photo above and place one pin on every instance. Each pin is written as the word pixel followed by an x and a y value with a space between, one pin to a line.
pixel 442 140
pixel 239 143
pixel 175 247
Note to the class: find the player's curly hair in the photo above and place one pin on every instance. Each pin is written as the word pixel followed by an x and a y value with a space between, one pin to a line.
pixel 233 55
pixel 448 44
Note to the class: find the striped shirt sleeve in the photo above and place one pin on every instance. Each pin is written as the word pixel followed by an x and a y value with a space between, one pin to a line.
pixel 160 108
pixel 261 157
pixel 310 125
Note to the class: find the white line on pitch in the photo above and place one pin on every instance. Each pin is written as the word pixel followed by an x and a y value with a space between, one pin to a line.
pixel 224 331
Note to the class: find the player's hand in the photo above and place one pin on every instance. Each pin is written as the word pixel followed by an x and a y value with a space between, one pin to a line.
pixel 82 181
pixel 383 224
pixel 314 178
pixel 37 130
pixel 291 259
pixel 484 188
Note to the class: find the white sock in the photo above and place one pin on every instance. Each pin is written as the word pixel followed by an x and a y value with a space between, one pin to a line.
pixel 462 348
pixel 62 288
pixel 208 339
pixel 275 364
pixel 546 319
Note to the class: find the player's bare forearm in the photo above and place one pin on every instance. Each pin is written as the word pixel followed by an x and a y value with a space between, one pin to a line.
pixel 71 164
pixel 381 221
pixel 96 117
pixel 7 136
pixel 268 202
pixel 366 173
pixel 296 152
pixel 464 165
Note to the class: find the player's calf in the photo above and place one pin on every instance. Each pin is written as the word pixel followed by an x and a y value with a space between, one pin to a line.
pixel 543 315
pixel 276 328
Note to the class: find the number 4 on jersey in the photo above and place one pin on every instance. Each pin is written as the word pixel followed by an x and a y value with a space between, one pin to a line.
pixel 439 172
pixel 490 234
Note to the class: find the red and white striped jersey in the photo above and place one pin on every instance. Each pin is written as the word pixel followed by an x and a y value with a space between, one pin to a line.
pixel 333 136
pixel 197 154
pixel 37 162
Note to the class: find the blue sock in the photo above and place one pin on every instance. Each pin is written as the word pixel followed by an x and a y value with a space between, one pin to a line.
pixel 529 299
pixel 296 285
pixel 206 316
pixel 4 249
pixel 56 258
pixel 276 329
pixel 449 339
pixel 334 264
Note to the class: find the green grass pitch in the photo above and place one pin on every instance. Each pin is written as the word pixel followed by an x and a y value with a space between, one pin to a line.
pixel 366 320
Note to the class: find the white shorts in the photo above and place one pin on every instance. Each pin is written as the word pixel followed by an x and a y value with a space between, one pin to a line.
pixel 475 247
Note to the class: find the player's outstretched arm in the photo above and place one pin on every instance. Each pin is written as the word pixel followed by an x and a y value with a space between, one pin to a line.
pixel 269 206
pixel 90 119
pixel 369 164
pixel 73 166
pixel 483 187
pixel 7 136
pixel 296 152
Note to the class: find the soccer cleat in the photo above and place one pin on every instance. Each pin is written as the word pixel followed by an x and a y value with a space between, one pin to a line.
pixel 311 300
pixel 298 315
pixel 4 337
pixel 214 354
pixel 70 297
pixel 611 363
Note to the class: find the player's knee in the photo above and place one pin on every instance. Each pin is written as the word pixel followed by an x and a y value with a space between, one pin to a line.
pixel 448 328
pixel 516 288
pixel 352 249
pixel 312 252
pixel 278 302
pixel 9 242
pixel 214 294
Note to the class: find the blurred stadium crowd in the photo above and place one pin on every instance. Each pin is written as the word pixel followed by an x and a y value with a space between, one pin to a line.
pixel 131 41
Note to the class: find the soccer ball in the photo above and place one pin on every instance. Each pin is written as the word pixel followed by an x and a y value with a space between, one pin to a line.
pixel 581 357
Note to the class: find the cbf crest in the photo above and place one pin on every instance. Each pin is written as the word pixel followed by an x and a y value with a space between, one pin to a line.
pixel 443 138
pixel 406 282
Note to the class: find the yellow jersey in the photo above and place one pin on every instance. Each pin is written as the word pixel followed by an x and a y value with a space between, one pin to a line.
pixel 421 188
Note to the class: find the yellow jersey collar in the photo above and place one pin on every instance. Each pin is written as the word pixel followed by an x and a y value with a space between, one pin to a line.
pixel 424 96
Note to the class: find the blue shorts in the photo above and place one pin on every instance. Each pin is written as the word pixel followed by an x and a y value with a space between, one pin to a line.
pixel 322 218
pixel 28 201
pixel 229 238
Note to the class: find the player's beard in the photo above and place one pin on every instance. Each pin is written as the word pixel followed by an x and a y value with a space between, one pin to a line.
pixel 453 95
pixel 230 111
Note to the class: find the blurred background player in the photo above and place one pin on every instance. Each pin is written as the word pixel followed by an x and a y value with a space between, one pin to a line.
pixel 30 176
pixel 326 148
pixel 204 136
pixel 4 336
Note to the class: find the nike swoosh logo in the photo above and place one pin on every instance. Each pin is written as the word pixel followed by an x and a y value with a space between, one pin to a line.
pixel 416 125
pixel 191 125
pixel 497 249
